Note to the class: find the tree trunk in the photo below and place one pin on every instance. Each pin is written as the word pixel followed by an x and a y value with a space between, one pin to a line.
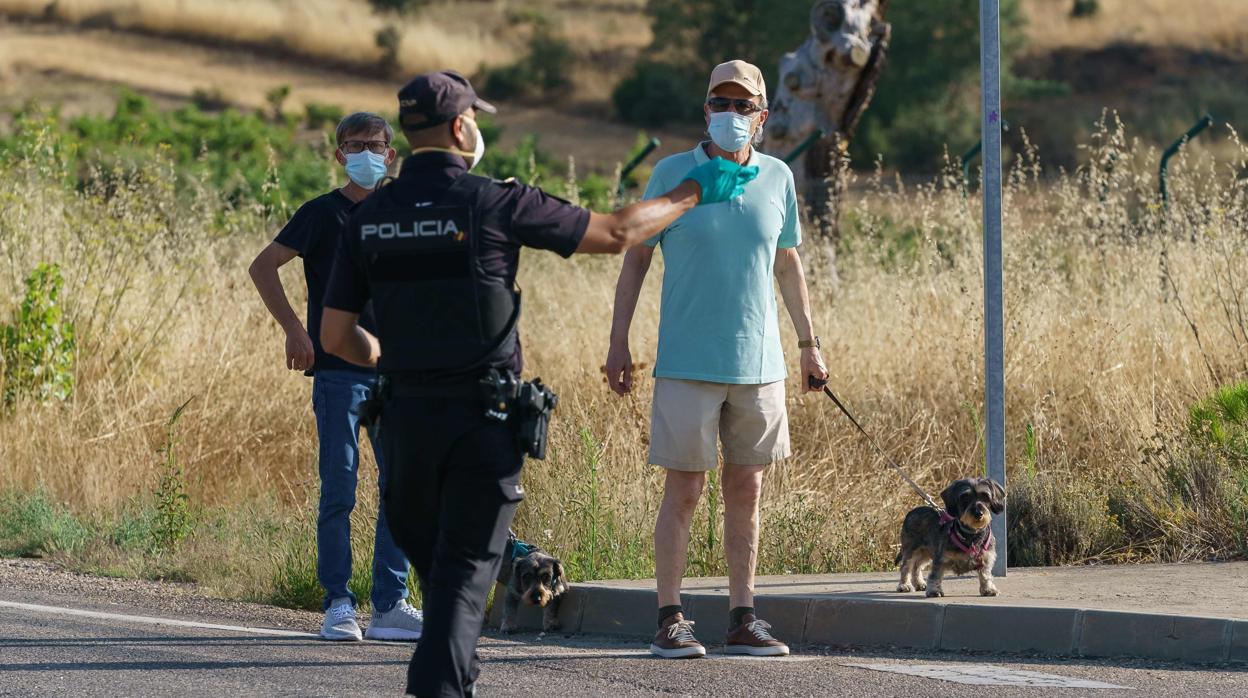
pixel 827 84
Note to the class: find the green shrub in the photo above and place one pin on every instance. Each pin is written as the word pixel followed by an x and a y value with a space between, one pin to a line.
pixel 398 5
pixel 655 94
pixel 544 71
pixel 1085 8
pixel 1191 505
pixel 320 117
pixel 37 349
pixel 242 155
pixel 1221 420
pixel 1057 519
pixel 32 525
pixel 276 99
pixel 209 99
pixel 389 40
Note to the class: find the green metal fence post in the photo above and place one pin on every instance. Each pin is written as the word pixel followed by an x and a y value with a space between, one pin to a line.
pixel 632 164
pixel 1163 174
pixel 969 156
pixel 804 146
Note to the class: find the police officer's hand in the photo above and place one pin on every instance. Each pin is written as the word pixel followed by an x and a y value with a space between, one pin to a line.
pixel 721 180
pixel 620 368
pixel 299 352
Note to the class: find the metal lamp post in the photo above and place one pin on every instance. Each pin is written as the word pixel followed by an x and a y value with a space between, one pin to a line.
pixel 994 344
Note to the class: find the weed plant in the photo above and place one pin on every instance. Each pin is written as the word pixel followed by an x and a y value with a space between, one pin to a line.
pixel 1121 315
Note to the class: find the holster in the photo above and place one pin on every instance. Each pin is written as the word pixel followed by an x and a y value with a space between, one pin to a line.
pixel 370 409
pixel 527 406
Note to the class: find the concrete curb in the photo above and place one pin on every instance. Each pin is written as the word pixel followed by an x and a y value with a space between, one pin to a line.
pixel 918 624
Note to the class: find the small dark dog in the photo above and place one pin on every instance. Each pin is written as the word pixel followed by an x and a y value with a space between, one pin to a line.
pixel 957 538
pixel 531 576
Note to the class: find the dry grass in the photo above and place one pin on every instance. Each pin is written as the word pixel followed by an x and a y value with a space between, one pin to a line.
pixel 330 30
pixel 461 34
pixel 1208 25
pixel 1100 356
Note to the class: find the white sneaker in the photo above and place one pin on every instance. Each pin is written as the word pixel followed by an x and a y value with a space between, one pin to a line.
pixel 402 623
pixel 340 621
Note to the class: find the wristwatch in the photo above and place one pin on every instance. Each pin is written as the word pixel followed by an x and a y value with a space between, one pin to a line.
pixel 809 343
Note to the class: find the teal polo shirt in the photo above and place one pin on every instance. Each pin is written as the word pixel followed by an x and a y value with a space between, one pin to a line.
pixel 717 318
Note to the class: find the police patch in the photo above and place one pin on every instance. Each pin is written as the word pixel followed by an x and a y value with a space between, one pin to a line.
pixel 413 229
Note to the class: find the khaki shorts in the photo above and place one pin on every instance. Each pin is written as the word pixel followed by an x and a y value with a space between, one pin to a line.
pixel 687 416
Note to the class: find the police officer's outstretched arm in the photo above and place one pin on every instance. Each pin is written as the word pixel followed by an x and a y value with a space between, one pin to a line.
pixel 711 182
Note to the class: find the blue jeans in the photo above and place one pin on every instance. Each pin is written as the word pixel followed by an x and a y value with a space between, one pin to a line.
pixel 336 398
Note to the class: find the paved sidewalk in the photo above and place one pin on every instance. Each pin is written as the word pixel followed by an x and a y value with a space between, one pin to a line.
pixel 1191 612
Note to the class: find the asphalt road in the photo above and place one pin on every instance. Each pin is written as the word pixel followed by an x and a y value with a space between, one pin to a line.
pixel 46 652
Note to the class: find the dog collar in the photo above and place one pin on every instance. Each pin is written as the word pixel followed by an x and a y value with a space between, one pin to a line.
pixel 976 551
pixel 518 548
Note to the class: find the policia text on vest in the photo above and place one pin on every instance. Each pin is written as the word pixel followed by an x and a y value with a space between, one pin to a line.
pixel 436 252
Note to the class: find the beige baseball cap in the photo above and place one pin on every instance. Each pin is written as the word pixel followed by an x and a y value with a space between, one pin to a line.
pixel 744 74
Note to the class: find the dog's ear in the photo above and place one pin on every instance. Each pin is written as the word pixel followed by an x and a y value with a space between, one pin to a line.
pixel 558 571
pixel 950 497
pixel 996 497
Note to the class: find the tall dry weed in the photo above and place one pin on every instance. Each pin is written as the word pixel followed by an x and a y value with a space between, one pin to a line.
pixel 1120 314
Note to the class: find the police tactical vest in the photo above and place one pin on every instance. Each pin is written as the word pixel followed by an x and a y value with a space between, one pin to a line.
pixel 436 308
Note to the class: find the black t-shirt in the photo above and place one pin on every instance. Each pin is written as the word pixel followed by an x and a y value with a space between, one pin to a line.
pixel 513 215
pixel 313 232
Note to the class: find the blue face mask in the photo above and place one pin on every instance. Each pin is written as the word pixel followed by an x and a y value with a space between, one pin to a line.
pixel 366 168
pixel 730 130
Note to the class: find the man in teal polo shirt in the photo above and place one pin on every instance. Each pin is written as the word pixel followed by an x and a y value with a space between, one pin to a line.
pixel 720 369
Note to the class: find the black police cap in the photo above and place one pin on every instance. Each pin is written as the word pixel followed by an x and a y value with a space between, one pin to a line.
pixel 436 98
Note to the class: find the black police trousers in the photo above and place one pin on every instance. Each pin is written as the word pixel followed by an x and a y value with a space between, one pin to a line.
pixel 452 487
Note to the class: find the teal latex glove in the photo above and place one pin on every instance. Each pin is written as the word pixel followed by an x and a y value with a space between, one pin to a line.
pixel 721 180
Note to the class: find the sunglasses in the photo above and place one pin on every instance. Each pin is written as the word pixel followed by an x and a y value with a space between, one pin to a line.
pixel 745 107
pixel 374 147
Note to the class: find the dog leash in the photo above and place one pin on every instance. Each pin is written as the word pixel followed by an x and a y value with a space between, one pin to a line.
pixel 817 384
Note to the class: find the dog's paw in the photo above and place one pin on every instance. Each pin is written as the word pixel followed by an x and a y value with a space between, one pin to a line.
pixel 904 588
pixel 553 627
pixel 508 629
pixel 989 590
pixel 921 586
pixel 934 591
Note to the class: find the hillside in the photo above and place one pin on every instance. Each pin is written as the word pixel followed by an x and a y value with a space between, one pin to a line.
pixel 1157 63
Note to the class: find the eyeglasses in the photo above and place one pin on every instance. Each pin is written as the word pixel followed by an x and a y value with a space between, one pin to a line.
pixel 375 147
pixel 744 107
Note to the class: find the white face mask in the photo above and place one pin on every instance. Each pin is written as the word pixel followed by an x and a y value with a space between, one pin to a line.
pixel 730 130
pixel 478 152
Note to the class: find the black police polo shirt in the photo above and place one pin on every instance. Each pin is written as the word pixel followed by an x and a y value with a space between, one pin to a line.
pixel 313 233
pixel 513 216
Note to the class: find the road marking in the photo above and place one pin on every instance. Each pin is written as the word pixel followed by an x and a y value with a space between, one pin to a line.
pixel 149 620
pixel 986 675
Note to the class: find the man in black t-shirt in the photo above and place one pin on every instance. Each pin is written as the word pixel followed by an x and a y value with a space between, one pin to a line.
pixel 338 388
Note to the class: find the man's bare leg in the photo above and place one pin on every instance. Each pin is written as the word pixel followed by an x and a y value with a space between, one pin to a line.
pixel 681 492
pixel 742 487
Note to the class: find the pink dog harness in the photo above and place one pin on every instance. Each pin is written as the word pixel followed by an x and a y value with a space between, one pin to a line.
pixel 976 552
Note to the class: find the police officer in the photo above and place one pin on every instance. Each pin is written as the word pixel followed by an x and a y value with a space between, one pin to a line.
pixel 436 251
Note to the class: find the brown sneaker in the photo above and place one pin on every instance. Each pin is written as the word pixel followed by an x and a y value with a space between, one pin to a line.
pixel 675 639
pixel 752 638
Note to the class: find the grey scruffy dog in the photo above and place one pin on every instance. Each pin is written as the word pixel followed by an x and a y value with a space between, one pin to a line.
pixel 957 538
pixel 533 577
